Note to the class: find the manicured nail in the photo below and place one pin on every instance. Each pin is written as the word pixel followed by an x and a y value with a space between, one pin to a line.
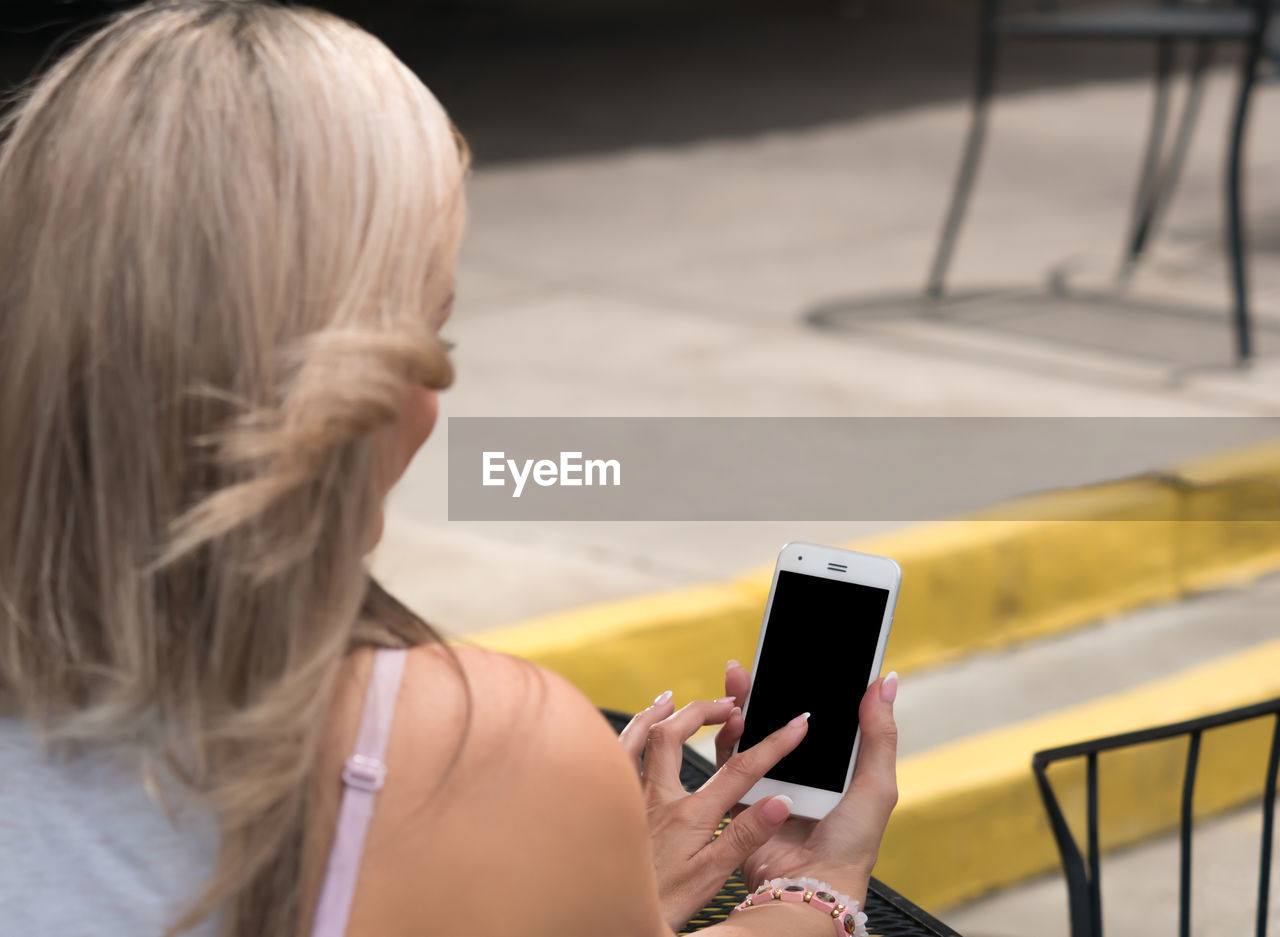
pixel 799 720
pixel 731 665
pixel 736 711
pixel 777 808
pixel 723 699
pixel 663 698
pixel 889 687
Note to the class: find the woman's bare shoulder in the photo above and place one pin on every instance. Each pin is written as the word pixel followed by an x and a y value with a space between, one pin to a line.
pixel 508 799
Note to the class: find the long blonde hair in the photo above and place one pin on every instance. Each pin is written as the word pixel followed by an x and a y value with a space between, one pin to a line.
pixel 224 227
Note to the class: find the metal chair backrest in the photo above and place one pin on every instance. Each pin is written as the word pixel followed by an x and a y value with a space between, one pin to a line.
pixel 1084 893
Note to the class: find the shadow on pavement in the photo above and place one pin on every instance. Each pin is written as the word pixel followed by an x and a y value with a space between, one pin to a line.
pixel 1181 339
pixel 531 80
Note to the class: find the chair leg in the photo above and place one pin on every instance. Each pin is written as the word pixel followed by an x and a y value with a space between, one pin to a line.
pixel 972 153
pixel 1168 181
pixel 1147 180
pixel 1235 219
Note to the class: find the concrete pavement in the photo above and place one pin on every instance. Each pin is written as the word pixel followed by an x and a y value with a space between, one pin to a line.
pixel 1140 890
pixel 676 281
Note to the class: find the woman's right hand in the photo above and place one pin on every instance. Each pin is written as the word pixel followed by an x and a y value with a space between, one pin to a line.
pixel 841 848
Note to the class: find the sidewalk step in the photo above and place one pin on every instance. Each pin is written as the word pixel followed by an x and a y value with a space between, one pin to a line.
pixel 970 819
pixel 1000 688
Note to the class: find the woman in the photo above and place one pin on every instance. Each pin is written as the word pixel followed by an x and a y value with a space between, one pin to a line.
pixel 227 240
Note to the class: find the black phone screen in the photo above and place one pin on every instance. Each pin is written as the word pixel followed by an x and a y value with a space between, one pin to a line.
pixel 819 645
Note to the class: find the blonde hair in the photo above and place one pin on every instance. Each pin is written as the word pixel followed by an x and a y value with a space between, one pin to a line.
pixel 224 228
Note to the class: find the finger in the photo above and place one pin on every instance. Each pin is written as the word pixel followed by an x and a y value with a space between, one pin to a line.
pixel 741 771
pixel 664 746
pixel 748 831
pixel 637 730
pixel 737 681
pixel 728 736
pixel 875 777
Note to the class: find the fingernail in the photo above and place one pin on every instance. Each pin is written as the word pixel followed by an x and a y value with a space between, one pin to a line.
pixel 889 687
pixel 736 711
pixel 723 699
pixel 662 699
pixel 777 808
pixel 731 665
pixel 799 720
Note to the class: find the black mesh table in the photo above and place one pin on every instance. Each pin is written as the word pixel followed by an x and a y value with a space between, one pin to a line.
pixel 889 914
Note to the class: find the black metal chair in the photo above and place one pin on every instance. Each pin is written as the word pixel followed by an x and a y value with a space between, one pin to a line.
pixel 1166 23
pixel 889 914
pixel 1084 883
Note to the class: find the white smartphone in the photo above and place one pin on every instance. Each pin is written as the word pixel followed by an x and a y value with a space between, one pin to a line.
pixel 822 642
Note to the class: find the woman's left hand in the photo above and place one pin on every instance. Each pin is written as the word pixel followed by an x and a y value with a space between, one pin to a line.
pixel 843 847
pixel 690 861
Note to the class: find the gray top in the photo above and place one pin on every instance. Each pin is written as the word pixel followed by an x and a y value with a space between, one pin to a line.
pixel 85 853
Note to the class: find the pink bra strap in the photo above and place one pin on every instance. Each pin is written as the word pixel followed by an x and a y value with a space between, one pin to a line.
pixel 363 776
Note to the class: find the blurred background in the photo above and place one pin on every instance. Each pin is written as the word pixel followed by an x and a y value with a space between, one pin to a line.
pixel 730 208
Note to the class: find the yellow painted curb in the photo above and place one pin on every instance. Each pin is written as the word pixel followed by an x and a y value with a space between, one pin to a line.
pixel 969 817
pixel 1243 485
pixel 624 654
pixel 999 577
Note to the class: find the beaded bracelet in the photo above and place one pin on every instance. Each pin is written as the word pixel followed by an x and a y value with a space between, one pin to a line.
pixel 845 914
